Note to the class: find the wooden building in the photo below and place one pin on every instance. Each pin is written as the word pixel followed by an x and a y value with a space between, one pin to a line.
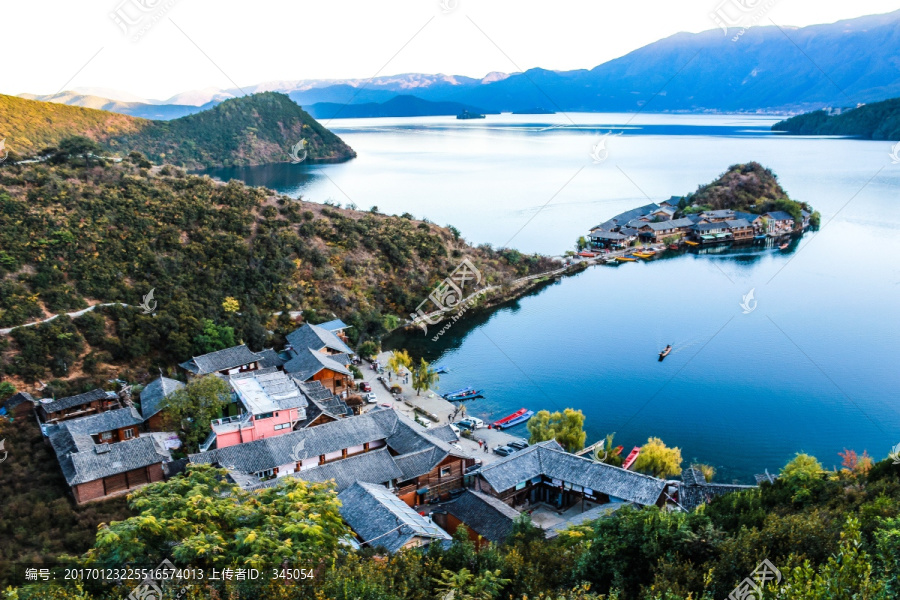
pixel 237 359
pixel 73 407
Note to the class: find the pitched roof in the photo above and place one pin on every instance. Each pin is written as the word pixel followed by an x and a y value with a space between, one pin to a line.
pixel 443 433
pixel 734 223
pixel 380 518
pixel 673 224
pixel 334 325
pixel 695 491
pixel 81 460
pixel 710 226
pixel 592 514
pixel 628 215
pixel 155 392
pixel 307 362
pixel 719 214
pixel 316 337
pixel 376 466
pixel 105 421
pixel 72 401
pixel 487 516
pixel 599 234
pixel 17 399
pixel 779 215
pixel 547 459
pixel 270 358
pixel 221 360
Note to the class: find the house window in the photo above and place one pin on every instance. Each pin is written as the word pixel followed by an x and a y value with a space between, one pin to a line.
pixel 129 433
pixel 268 473
pixel 282 426
pixel 106 435
pixel 261 416
pixel 445 471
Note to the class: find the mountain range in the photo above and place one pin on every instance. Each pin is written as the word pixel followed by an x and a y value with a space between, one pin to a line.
pixel 767 69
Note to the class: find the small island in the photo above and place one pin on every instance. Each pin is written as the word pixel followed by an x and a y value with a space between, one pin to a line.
pixel 745 205
pixel 469 115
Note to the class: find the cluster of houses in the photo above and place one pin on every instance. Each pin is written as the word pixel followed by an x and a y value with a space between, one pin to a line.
pixel 400 484
pixel 654 223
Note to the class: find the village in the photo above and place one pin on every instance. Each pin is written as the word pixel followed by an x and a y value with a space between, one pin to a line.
pixel 405 473
pixel 656 227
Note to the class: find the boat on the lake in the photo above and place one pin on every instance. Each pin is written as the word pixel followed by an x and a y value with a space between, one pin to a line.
pixel 441 369
pixel 632 456
pixel 628 258
pixel 673 246
pixel 645 254
pixel 459 391
pixel 784 246
pixel 520 416
pixel 467 395
pixel 468 115
pixel 690 243
pixel 665 352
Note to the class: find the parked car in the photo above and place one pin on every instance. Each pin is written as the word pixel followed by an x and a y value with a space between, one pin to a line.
pixel 364 386
pixel 371 398
pixel 471 423
pixel 503 450
pixel 472 469
pixel 518 444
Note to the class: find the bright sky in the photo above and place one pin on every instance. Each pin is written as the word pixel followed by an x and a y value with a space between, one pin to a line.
pixel 52 45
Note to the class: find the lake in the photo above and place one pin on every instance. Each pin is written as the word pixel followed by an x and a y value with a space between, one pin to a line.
pixel 808 370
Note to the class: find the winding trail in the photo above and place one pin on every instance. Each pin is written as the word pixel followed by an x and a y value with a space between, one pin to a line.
pixel 77 313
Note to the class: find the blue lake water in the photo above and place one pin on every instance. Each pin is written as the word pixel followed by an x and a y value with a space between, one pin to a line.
pixel 810 369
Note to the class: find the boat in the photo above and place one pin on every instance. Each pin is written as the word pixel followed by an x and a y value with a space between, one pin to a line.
pixel 645 254
pixel 468 115
pixel 626 258
pixel 457 392
pixel 632 456
pixel 520 416
pixel 673 246
pixel 441 369
pixel 469 395
pixel 649 251
pixel 665 352
pixel 784 246
pixel 586 254
pixel 690 243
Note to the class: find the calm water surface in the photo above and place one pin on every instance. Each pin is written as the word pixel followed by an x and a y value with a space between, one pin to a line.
pixel 811 369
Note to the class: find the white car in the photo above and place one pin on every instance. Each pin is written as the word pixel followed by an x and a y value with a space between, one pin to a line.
pixel 454 429
pixel 370 397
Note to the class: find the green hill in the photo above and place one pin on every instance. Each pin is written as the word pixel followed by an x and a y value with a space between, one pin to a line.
pixel 250 130
pixel 877 121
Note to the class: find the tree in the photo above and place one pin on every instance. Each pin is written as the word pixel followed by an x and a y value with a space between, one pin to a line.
pixel 566 427
pixel 465 585
pixel 424 377
pixel 368 349
pixel 708 471
pixel 802 468
pixel 231 305
pixel 609 454
pixel 191 408
pixel 657 459
pixel 200 519
pixel 581 244
pixel 214 337
pixel 398 361
pixel 6 390
pixel 77 145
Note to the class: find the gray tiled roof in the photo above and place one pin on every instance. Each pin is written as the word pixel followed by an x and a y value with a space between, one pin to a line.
pixel 725 213
pixel 221 360
pixel 80 462
pixel 316 337
pixel 307 362
pixel 598 512
pixel 734 223
pixel 414 464
pixel 444 433
pixel 268 390
pixel 710 226
pixel 380 518
pixel 779 215
pixel 17 399
pixel 105 421
pixel 695 491
pixel 487 516
pixel 333 325
pixel 270 358
pixel 623 218
pixel 599 234
pixel 72 401
pixel 672 224
pixel 376 466
pixel 156 391
pixel 549 460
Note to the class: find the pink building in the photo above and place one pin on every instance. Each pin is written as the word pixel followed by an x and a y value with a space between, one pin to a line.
pixel 271 404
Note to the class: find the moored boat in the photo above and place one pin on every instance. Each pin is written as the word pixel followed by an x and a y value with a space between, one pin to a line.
pixel 469 395
pixel 690 243
pixel 665 352
pixel 632 456
pixel 457 392
pixel 673 246
pixel 521 415
pixel 628 258
pixel 784 246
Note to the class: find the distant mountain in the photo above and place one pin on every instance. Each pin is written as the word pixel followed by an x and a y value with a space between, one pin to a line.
pixel 135 109
pixel 877 121
pixel 398 106
pixel 251 130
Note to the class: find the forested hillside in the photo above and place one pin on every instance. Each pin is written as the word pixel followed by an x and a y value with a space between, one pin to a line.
pixel 251 130
pixel 877 121
pixel 73 234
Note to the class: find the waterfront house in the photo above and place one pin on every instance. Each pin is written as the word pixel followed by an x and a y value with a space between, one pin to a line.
pixel 713 216
pixel 269 402
pixel 152 401
pixel 776 223
pixel 487 519
pixel 805 214
pixel 711 232
pixel 620 220
pixel 741 229
pixel 657 232
pixel 18 405
pixel 694 489
pixel 310 365
pixel 381 520
pixel 600 238
pixel 673 202
pixel 384 447
pixel 72 407
pixel 663 213
pixel 96 469
pixel 545 473
pixel 238 359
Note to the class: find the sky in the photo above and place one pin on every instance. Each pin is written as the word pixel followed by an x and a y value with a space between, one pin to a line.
pixel 160 48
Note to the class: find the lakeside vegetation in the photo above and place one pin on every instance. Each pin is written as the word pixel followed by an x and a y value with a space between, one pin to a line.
pixel 875 121
pixel 222 259
pixel 251 130
pixel 834 535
